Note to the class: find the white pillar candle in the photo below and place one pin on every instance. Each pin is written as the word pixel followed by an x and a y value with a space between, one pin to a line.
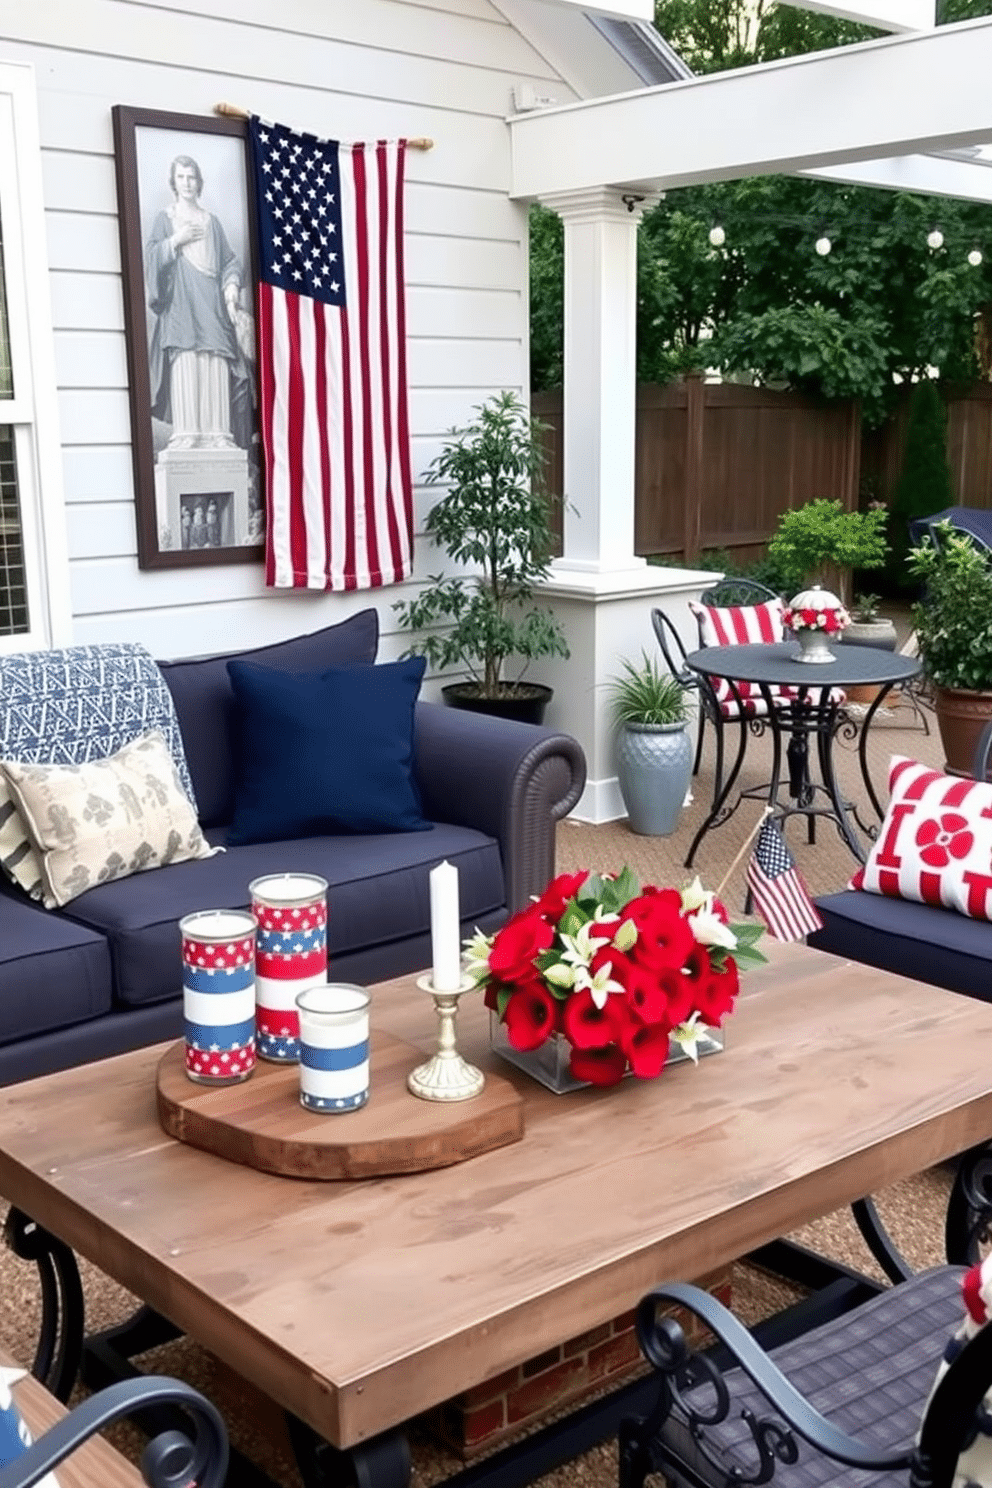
pixel 445 928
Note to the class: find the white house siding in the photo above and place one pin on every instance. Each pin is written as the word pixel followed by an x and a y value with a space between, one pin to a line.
pixel 343 68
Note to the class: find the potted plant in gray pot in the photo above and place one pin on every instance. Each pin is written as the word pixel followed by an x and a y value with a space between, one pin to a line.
pixel 496 518
pixel 654 752
pixel 954 635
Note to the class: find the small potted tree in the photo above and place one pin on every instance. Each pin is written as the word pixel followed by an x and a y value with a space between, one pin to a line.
pixel 654 752
pixel 822 542
pixel 495 517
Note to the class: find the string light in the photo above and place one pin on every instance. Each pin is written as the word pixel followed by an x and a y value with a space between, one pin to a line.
pixel 935 239
pixel 975 257
pixel 717 235
pixel 823 245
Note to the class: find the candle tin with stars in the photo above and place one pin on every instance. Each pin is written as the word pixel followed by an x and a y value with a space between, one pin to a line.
pixel 219 995
pixel 334 1048
pixel 291 954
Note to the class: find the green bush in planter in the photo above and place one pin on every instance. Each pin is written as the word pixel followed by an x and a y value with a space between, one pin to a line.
pixel 647 695
pixel 823 541
pixel 954 619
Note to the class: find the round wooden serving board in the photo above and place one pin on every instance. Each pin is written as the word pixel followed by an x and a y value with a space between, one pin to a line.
pixel 262 1124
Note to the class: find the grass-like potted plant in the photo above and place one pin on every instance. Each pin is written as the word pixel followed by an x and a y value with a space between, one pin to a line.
pixel 954 633
pixel 654 752
pixel 495 517
pixel 822 542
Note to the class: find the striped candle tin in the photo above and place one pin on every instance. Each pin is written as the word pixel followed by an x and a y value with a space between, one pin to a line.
pixel 334 1047
pixel 291 954
pixel 219 995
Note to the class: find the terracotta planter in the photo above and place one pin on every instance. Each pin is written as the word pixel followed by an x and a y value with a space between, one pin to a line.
pixel 960 717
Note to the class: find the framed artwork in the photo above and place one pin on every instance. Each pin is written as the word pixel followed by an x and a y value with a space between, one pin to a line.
pixel 188 260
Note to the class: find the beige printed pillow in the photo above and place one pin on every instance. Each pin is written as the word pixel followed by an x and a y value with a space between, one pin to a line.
pixel 105 819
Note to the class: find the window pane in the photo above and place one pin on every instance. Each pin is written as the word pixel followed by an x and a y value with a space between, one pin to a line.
pixel 6 371
pixel 13 594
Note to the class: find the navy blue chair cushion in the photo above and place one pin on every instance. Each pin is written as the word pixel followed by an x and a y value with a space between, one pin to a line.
pixel 204 700
pixel 378 896
pixel 328 751
pixel 927 943
pixel 53 972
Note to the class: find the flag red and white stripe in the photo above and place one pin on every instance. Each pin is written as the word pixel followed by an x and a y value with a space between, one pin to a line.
pixel 332 360
pixel 780 896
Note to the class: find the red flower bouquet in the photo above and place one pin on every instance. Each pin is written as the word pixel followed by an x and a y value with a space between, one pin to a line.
pixel 831 621
pixel 620 971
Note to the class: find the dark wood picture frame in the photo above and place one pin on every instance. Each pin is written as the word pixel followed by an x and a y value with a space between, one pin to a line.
pixel 198 469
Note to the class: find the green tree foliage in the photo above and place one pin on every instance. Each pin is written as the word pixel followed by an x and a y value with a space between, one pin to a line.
pixel 880 305
pixel 924 483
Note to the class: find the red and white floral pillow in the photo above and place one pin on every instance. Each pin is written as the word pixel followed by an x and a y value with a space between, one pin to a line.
pixel 935 844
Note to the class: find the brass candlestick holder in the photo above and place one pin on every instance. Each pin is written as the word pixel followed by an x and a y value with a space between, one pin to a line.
pixel 446 1076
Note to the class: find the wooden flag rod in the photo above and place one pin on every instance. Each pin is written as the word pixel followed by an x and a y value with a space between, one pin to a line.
pixel 743 849
pixel 232 111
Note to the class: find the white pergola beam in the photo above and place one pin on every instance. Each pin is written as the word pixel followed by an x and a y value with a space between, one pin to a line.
pixel 630 10
pixel 932 175
pixel 887 15
pixel 903 95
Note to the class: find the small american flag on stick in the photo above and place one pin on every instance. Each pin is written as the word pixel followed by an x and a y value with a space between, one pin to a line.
pixel 780 896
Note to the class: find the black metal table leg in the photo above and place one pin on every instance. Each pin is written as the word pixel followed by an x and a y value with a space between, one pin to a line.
pixel 60 1334
pixel 382 1462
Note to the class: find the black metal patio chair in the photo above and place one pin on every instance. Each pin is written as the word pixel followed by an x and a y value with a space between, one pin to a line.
pixel 193 1451
pixel 850 1402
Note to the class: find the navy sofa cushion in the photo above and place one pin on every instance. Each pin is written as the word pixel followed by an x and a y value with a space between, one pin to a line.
pixel 53 973
pixel 328 751
pixel 204 700
pixel 378 893
pixel 921 941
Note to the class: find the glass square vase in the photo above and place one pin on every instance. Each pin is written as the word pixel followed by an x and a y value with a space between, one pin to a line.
pixel 549 1062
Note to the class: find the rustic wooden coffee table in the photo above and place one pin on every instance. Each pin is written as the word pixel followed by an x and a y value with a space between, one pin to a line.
pixel 357 1305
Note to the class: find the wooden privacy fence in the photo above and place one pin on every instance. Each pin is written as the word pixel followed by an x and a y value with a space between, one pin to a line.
pixel 969 446
pixel 716 464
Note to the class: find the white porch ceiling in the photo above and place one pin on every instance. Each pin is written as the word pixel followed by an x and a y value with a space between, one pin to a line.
pixel 883 113
pixel 887 15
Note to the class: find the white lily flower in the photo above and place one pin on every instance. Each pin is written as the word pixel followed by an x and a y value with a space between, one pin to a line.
pixel 710 930
pixel 475 956
pixel 694 896
pixel 579 948
pixel 689 1034
pixel 599 986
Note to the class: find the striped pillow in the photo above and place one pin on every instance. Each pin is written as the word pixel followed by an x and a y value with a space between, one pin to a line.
pixel 935 844
pixel 739 625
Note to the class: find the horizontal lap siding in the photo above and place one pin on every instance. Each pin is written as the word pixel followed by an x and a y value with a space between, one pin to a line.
pixel 444 68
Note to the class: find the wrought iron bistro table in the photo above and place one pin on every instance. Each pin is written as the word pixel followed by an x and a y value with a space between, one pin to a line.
pixel 357 1305
pixel 810 713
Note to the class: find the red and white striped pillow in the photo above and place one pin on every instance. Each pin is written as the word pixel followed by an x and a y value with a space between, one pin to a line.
pixel 935 844
pixel 740 625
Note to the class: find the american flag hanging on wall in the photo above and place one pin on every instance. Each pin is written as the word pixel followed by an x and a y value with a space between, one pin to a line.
pixel 332 360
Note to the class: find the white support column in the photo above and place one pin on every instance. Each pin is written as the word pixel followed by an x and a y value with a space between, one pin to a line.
pixel 600 377
pixel 602 593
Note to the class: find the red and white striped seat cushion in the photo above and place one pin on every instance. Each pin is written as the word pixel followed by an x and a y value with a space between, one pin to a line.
pixel 935 844
pixel 745 625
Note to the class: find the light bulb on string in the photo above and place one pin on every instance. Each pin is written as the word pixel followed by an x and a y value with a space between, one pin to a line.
pixel 975 257
pixel 935 239
pixel 717 235
pixel 823 245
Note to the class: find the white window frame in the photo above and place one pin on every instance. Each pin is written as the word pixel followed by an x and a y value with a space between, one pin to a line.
pixel 33 410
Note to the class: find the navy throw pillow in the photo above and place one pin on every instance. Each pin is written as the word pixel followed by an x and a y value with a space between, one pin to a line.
pixel 324 752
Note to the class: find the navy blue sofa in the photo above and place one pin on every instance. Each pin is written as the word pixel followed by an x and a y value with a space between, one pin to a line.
pixel 102 975
pixel 929 944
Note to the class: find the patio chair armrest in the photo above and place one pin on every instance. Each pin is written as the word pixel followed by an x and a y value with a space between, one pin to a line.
pixel 663 1344
pixel 197 1456
pixel 513 781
